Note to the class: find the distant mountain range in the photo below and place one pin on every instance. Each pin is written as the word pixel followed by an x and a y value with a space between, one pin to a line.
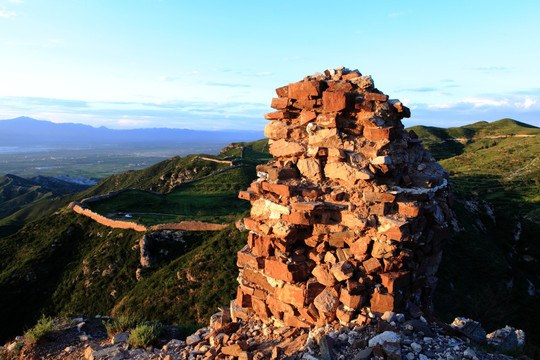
pixel 25 131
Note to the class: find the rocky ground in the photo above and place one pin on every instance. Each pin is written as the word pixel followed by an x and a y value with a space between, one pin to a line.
pixel 371 336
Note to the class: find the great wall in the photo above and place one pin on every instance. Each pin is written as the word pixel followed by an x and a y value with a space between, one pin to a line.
pixel 120 224
pixel 352 212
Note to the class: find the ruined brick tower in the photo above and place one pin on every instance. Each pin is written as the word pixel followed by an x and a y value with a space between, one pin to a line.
pixel 351 212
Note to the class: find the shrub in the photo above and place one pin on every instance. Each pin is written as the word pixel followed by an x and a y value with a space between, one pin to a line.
pixel 121 324
pixel 42 329
pixel 145 335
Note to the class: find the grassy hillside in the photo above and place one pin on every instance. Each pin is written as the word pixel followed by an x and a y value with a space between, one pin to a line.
pixel 63 263
pixel 190 288
pixel 490 269
pixel 67 264
pixel 17 193
pixel 191 174
pixel 444 143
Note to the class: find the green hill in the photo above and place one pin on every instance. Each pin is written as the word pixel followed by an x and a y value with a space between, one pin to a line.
pixel 444 143
pixel 490 268
pixel 162 177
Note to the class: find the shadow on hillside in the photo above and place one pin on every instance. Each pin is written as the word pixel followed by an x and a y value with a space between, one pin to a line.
pixel 483 274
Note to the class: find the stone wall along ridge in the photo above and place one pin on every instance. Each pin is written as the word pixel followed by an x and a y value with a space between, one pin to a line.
pixel 119 224
pixel 352 211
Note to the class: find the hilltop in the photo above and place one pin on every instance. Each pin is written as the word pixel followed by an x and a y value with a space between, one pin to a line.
pixel 447 142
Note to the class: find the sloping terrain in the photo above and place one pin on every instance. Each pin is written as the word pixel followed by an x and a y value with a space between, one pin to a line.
pixel 17 192
pixel 444 143
pixel 491 268
pixel 489 271
pixel 64 263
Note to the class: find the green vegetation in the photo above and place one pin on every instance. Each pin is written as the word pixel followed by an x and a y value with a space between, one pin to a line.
pixel 213 199
pixel 120 324
pixel 145 335
pixel 42 329
pixel 487 269
pixel 191 287
pixel 63 263
pixel 446 143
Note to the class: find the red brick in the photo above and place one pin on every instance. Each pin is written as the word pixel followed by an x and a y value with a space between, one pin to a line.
pixel 260 308
pixel 292 294
pixel 309 313
pixel 282 91
pixel 377 134
pixel 352 301
pixel 375 97
pixel 257 279
pixel 304 90
pixel 326 120
pixel 249 260
pixel 360 247
pixel 282 271
pixel 382 302
pixel 323 275
pixel 351 75
pixel 396 281
pixel 276 307
pixel 313 288
pixel 409 209
pixel 305 104
pixel 306 116
pixel 235 349
pixel 243 299
pixel 296 218
pixel 248 195
pixel 277 115
pixel 372 266
pixel 339 86
pixel 281 190
pixel 292 320
pixel 344 315
pixel 334 101
pixel 372 196
pixel 280 103
pixel 261 246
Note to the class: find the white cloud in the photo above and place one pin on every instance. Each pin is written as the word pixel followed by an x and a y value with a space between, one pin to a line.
pixel 15 1
pixel 526 104
pixel 479 102
pixel 521 103
pixel 7 14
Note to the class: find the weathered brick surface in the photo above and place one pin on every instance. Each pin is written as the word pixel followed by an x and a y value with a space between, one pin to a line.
pixel 344 216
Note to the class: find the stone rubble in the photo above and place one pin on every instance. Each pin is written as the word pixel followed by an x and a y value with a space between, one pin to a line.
pixel 351 212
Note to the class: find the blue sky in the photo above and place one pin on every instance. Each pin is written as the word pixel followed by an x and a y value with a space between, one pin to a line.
pixel 215 64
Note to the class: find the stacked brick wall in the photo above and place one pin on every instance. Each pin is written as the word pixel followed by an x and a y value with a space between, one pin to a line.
pixel 351 212
pixel 119 224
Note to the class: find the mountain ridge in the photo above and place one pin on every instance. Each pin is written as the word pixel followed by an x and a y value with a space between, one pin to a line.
pixel 485 253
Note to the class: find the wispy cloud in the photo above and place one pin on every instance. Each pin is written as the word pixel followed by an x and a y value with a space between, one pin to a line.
pixel 212 83
pixel 421 89
pixel 526 104
pixel 169 78
pixel 394 14
pixel 172 113
pixel 491 69
pixel 7 14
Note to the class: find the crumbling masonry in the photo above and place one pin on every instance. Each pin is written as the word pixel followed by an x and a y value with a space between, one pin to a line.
pixel 352 212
